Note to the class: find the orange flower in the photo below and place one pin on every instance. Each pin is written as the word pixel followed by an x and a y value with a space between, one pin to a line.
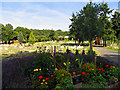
pixel 62 74
pixel 74 72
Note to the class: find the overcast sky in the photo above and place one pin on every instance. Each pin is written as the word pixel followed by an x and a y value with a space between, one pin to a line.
pixel 36 14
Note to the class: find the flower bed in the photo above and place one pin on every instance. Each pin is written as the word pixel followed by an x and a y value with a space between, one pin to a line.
pixel 56 71
pixel 63 67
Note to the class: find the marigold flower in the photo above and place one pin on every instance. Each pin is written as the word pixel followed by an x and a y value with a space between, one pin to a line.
pixel 35 70
pixel 85 65
pixel 111 66
pixel 106 65
pixel 76 59
pixel 64 63
pixel 83 73
pixel 69 62
pixel 88 67
pixel 56 69
pixel 40 77
pixel 92 69
pixel 45 82
pixel 62 74
pixel 42 83
pixel 52 65
pixel 74 72
pixel 40 69
pixel 51 75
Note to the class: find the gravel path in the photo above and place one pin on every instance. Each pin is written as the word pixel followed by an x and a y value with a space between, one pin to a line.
pixel 112 56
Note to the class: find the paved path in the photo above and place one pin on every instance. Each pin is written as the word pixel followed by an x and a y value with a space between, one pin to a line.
pixel 110 55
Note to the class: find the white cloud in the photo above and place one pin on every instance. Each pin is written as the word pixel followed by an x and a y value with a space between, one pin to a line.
pixel 42 18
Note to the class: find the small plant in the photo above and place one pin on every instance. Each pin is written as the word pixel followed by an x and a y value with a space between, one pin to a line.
pixel 80 63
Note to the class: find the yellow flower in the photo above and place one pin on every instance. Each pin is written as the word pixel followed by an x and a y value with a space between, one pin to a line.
pixel 74 72
pixel 69 62
pixel 64 63
pixel 45 82
pixel 42 83
pixel 76 59
pixel 56 69
pixel 52 65
pixel 40 69
pixel 62 74
pixel 92 69
pixel 35 70
pixel 113 66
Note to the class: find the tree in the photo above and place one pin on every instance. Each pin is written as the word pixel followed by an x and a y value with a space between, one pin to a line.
pixel 73 26
pixel 20 37
pixel 32 38
pixel 92 24
pixel 116 24
pixel 104 11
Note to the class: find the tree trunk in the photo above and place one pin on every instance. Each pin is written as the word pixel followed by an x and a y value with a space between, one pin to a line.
pixel 75 40
pixel 79 41
pixel 90 47
pixel 105 43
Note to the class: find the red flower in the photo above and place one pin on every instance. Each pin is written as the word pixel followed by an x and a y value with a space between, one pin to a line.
pixel 99 69
pixel 46 78
pixel 106 65
pixel 102 69
pixel 88 67
pixel 111 66
pixel 88 74
pixel 51 75
pixel 82 79
pixel 85 65
pixel 83 73
pixel 40 77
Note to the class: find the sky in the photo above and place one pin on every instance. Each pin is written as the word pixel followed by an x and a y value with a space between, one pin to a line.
pixel 36 14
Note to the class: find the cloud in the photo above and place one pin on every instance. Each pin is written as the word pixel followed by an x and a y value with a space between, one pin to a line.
pixel 42 18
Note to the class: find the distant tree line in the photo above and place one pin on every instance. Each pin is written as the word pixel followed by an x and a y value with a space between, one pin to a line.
pixel 7 34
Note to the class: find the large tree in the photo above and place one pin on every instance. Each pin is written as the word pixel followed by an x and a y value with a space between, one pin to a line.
pixel 116 24
pixel 104 12
pixel 73 26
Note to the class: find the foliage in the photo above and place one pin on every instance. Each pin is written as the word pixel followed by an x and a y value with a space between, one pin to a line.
pixel 32 38
pixel 61 74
